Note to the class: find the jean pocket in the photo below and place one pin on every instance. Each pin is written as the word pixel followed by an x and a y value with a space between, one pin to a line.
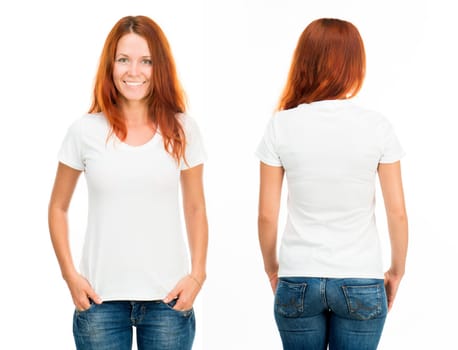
pixel 186 313
pixel 91 305
pixel 289 298
pixel 365 302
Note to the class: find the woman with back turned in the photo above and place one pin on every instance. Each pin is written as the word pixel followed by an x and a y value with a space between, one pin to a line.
pixel 329 283
pixel 135 147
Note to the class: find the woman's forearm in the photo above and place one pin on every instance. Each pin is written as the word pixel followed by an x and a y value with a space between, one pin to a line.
pixel 58 228
pixel 267 235
pixel 64 185
pixel 197 227
pixel 398 230
pixel 196 220
pixel 271 180
pixel 393 195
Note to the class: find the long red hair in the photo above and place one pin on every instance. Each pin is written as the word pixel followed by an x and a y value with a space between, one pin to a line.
pixel 165 100
pixel 329 63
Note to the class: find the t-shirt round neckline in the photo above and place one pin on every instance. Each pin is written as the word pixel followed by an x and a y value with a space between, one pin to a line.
pixel 150 142
pixel 117 141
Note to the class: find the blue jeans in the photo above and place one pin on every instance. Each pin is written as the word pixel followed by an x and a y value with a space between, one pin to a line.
pixel 344 314
pixel 108 326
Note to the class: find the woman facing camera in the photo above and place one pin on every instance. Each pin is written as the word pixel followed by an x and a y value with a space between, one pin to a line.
pixel 135 146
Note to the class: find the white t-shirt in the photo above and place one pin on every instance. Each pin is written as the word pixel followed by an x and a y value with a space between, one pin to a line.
pixel 134 247
pixel 330 151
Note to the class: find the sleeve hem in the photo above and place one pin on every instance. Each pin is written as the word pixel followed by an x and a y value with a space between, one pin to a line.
pixel 193 164
pixel 268 162
pixel 389 160
pixel 71 165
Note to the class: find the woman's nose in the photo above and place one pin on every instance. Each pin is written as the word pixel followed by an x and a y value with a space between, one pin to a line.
pixel 133 68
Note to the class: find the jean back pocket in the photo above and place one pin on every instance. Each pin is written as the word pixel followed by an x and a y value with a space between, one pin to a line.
pixel 365 302
pixel 289 298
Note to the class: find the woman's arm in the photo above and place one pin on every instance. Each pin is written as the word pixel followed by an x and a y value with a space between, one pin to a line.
pixel 271 180
pixel 64 186
pixel 393 196
pixel 197 229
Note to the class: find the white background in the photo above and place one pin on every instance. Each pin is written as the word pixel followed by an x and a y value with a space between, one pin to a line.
pixel 232 57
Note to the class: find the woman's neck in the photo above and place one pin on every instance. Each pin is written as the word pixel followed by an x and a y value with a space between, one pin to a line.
pixel 136 114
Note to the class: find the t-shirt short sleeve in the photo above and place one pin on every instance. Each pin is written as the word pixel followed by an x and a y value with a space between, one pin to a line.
pixel 70 152
pixel 266 150
pixel 392 150
pixel 195 153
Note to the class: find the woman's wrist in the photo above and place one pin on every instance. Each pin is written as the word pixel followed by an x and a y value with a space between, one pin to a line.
pixel 70 274
pixel 396 272
pixel 199 283
pixel 272 276
pixel 198 277
pixel 271 270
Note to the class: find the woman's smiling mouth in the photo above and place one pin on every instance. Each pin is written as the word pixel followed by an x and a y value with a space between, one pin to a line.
pixel 134 83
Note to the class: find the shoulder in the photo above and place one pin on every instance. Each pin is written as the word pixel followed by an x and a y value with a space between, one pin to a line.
pixel 89 120
pixel 373 122
pixel 185 118
pixel 366 116
pixel 89 126
pixel 365 111
pixel 290 113
pixel 290 117
pixel 91 123
pixel 280 117
pixel 188 123
pixel 94 120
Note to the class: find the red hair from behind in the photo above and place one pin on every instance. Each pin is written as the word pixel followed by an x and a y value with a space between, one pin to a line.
pixel 165 100
pixel 329 63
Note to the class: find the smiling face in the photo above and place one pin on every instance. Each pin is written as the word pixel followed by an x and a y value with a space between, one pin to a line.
pixel 133 68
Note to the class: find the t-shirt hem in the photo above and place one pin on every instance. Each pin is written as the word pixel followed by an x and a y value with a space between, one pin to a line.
pixel 375 275
pixel 133 298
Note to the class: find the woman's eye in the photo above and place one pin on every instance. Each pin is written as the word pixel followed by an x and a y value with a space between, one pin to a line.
pixel 122 60
pixel 147 61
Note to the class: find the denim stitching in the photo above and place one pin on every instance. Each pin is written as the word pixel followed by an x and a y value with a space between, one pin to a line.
pixel 352 310
pixel 297 303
